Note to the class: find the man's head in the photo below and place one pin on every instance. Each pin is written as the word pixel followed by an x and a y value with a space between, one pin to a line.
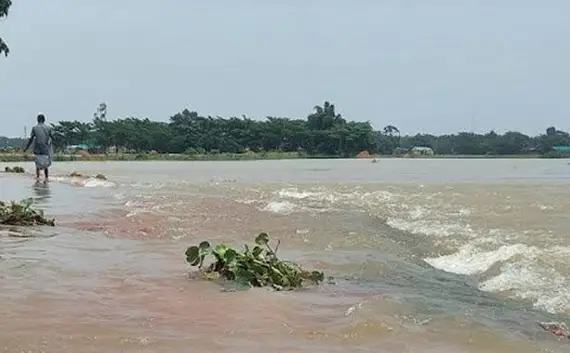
pixel 41 119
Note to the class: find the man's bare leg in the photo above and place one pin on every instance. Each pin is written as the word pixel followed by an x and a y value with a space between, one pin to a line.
pixel 37 173
pixel 46 172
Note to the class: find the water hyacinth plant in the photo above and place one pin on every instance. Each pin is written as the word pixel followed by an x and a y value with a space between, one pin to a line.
pixel 22 214
pixel 256 267
pixel 15 169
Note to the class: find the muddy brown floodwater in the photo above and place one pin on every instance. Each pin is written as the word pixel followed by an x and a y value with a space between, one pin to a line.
pixel 426 255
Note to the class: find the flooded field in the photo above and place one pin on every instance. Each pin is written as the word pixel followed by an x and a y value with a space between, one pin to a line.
pixel 427 256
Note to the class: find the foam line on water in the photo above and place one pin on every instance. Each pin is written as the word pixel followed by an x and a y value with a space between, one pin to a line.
pixel 470 261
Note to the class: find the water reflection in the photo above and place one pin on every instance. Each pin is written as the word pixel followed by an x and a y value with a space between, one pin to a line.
pixel 42 191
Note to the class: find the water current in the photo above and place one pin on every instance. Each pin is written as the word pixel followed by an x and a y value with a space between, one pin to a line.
pixel 427 256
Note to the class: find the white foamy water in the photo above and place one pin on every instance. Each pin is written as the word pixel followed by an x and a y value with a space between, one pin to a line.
pixel 97 183
pixel 367 225
pixel 482 232
pixel 282 207
pixel 469 260
pixel 419 251
pixel 88 182
pixel 544 286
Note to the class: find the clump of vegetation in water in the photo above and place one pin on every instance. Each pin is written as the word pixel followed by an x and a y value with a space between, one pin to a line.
pixel 16 169
pixel 79 175
pixel 22 214
pixel 256 267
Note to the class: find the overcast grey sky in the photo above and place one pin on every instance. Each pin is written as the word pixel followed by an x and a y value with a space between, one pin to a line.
pixel 432 66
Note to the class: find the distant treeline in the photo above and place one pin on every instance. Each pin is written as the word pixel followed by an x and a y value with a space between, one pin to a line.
pixel 323 132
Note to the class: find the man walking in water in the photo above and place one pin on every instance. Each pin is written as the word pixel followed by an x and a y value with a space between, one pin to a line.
pixel 41 136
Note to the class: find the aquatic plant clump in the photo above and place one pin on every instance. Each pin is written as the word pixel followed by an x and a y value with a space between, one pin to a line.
pixel 256 267
pixel 22 214
pixel 16 169
pixel 80 175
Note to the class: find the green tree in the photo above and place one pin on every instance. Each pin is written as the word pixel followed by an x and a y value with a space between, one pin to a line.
pixel 4 9
pixel 553 137
pixel 393 134
pixel 189 132
pixel 72 133
pixel 104 133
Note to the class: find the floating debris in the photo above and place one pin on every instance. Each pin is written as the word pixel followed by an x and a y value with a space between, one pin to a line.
pixel 22 214
pixel 81 175
pixel 556 328
pixel 256 267
pixel 16 169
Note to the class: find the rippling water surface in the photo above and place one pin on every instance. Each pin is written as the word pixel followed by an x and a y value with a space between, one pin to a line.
pixel 427 255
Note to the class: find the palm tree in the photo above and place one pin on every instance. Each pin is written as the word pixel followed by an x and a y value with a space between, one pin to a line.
pixel 325 117
pixel 390 130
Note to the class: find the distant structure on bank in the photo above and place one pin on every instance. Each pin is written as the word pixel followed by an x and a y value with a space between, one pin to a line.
pixel 364 154
pixel 421 151
pixel 562 149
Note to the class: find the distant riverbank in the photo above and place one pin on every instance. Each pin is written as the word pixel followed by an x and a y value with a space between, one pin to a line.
pixel 64 157
pixel 60 157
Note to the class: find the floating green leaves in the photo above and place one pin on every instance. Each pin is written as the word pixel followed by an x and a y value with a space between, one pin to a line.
pixel 195 254
pixel 262 239
pixel 256 267
pixel 22 214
